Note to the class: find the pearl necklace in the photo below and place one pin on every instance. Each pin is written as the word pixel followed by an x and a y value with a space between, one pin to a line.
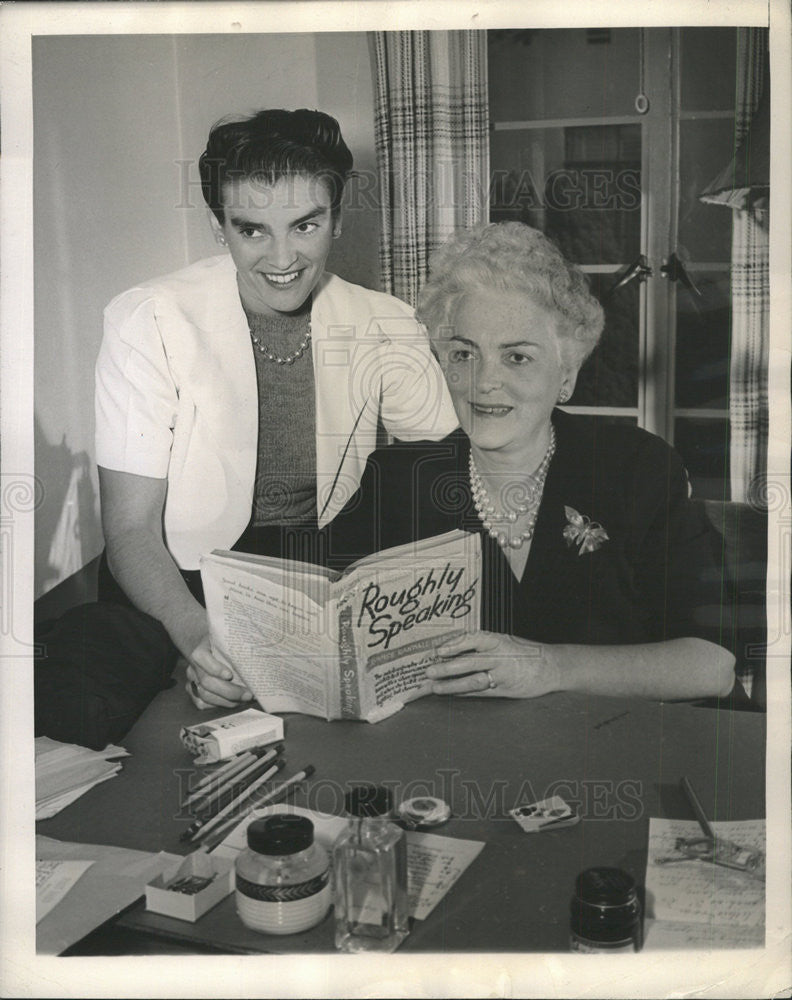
pixel 269 354
pixel 488 514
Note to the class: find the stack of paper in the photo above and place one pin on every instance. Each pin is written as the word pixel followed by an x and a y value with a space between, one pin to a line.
pixel 64 772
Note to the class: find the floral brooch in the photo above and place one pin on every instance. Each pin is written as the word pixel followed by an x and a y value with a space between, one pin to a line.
pixel 583 532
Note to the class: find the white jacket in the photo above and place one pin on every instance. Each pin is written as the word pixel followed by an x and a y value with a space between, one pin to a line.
pixel 177 398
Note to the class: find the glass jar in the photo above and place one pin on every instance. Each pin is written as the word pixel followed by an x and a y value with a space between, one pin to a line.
pixel 605 913
pixel 283 877
pixel 370 870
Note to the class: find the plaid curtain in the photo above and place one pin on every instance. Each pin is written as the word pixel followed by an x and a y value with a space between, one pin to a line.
pixel 748 392
pixel 432 137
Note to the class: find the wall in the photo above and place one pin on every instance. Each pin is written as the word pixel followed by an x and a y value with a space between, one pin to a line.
pixel 119 123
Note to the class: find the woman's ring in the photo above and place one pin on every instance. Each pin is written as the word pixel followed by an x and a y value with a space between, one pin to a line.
pixel 194 689
pixel 490 682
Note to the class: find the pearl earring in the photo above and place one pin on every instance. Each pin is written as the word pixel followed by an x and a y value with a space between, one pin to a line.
pixel 221 240
pixel 563 396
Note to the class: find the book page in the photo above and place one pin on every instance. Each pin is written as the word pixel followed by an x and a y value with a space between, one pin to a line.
pixel 394 614
pixel 697 902
pixel 308 578
pixel 269 632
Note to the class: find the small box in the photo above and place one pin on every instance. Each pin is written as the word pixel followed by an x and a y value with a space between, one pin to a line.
pixel 190 905
pixel 548 814
pixel 231 734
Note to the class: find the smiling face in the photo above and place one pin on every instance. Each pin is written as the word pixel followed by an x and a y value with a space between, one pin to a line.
pixel 279 236
pixel 504 371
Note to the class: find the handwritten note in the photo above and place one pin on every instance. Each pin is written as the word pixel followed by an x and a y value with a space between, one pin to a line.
pixel 698 904
pixel 434 863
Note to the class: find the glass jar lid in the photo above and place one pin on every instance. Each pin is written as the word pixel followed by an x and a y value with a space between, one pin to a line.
pixel 279 835
pixel 605 887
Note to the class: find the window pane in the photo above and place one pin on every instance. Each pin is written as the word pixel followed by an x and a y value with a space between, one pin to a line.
pixel 704 447
pixel 579 185
pixel 707 83
pixel 702 341
pixel 705 149
pixel 610 376
pixel 567 73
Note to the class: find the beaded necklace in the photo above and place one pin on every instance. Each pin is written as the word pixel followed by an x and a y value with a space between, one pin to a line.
pixel 488 514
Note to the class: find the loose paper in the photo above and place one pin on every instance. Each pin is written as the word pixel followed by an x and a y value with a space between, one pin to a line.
pixel 113 878
pixel 698 904
pixel 434 863
pixel 53 881
pixel 65 771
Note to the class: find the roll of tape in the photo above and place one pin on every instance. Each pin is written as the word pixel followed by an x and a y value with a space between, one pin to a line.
pixel 424 811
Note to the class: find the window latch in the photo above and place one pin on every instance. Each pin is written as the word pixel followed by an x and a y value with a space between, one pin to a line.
pixel 638 269
pixel 675 270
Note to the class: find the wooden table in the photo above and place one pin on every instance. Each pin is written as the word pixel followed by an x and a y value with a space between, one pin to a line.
pixel 619 761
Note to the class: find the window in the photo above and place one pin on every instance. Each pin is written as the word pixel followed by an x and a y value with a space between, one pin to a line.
pixel 603 140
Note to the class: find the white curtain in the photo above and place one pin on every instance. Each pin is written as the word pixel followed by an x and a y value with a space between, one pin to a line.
pixel 432 136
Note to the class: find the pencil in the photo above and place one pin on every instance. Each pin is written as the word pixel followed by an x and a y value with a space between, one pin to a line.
pixel 235 803
pixel 271 798
pixel 695 805
pixel 258 761
pixel 206 783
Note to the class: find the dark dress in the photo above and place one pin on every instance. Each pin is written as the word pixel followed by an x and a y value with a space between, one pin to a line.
pixel 641 585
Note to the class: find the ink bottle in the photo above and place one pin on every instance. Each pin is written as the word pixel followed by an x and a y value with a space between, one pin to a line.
pixel 370 872
pixel 605 913
pixel 283 878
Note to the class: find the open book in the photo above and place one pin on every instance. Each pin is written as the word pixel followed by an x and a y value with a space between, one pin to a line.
pixel 349 646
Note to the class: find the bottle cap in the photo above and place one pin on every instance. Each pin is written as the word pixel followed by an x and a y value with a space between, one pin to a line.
pixel 605 887
pixel 424 811
pixel 368 800
pixel 282 834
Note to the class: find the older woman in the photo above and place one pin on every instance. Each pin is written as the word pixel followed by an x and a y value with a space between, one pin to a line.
pixel 237 399
pixel 592 551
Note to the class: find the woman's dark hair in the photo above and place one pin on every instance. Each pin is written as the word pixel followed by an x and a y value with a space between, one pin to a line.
pixel 270 145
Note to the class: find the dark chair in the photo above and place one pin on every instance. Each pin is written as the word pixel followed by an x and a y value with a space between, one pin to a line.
pixel 738 620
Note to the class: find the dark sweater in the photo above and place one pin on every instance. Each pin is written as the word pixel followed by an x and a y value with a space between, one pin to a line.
pixel 641 585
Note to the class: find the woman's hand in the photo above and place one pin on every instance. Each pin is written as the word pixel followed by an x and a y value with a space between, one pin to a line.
pixel 495 665
pixel 209 681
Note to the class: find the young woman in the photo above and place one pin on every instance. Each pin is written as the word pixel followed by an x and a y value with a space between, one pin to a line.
pixel 237 399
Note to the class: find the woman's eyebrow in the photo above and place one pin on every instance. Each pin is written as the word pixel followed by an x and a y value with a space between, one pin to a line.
pixel 501 347
pixel 240 222
pixel 322 210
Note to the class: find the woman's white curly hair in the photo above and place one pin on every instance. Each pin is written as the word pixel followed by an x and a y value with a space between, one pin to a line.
pixel 512 257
